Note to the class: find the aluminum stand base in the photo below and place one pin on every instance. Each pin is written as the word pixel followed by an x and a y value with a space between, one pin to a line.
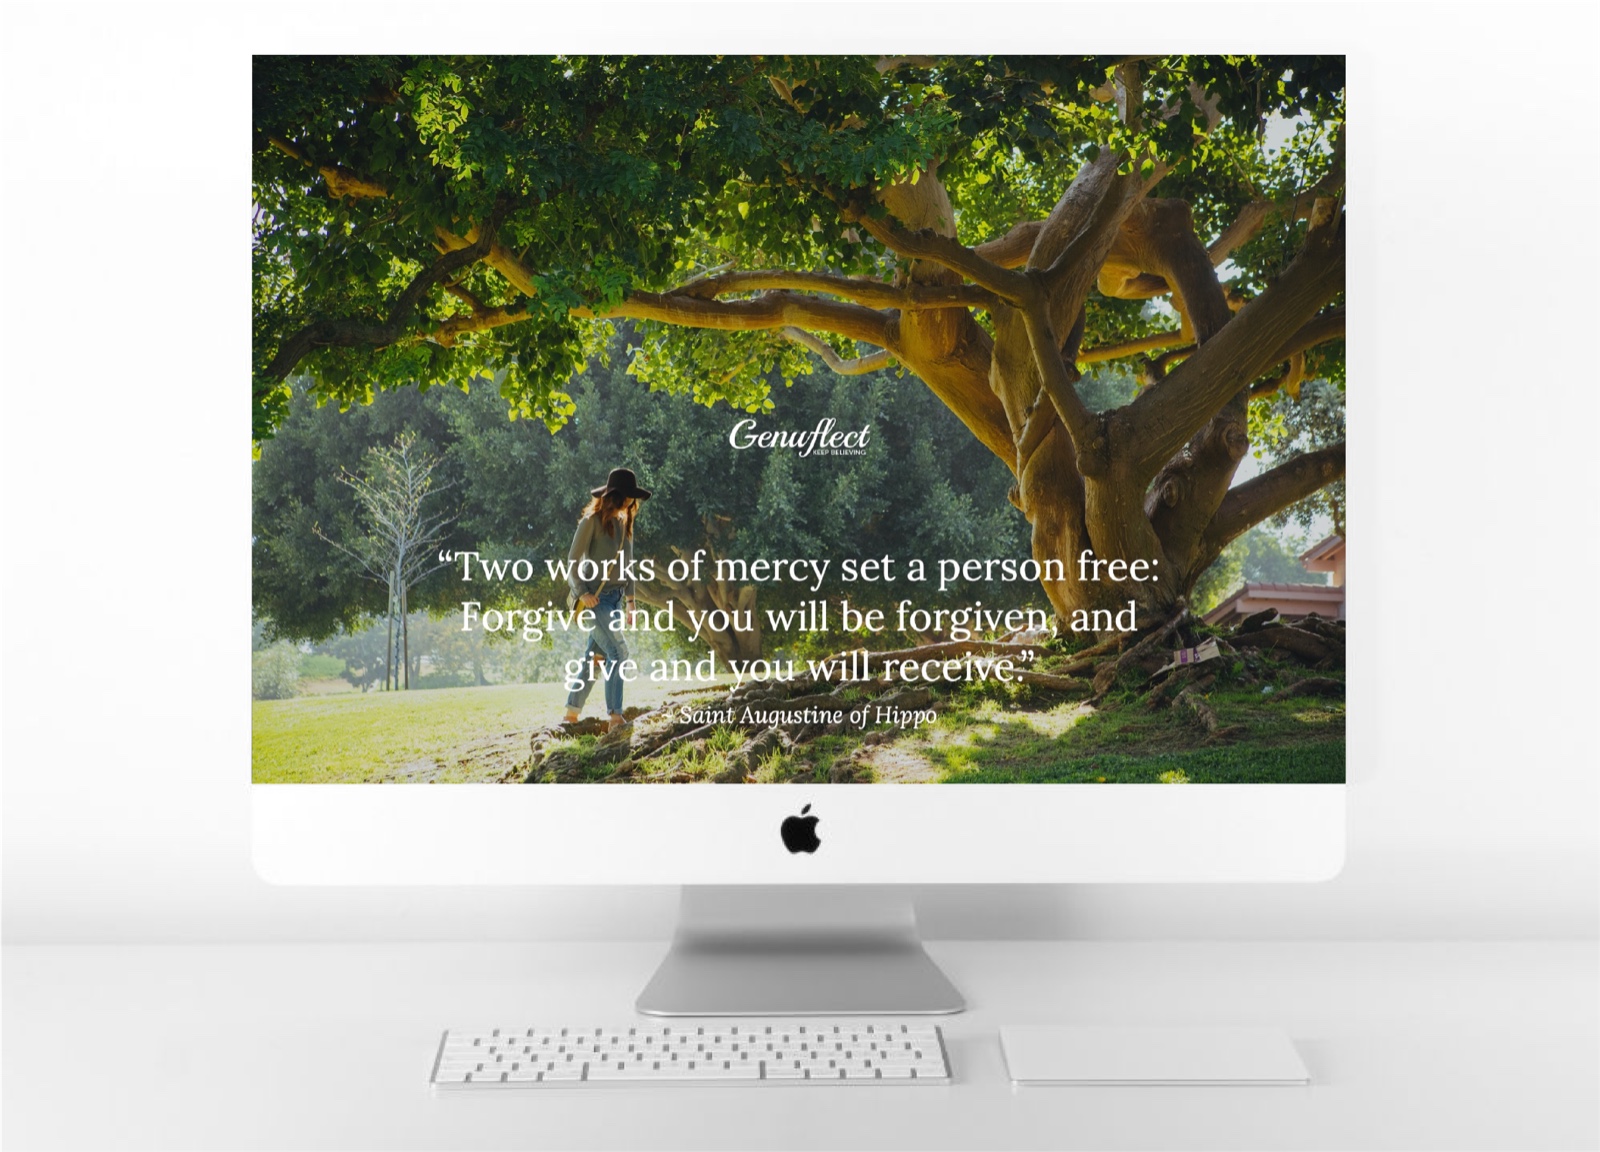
pixel 797 951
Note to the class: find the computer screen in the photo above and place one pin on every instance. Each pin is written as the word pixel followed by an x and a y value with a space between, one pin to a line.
pixel 790 423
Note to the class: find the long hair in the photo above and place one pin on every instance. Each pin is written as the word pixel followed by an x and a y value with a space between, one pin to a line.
pixel 612 508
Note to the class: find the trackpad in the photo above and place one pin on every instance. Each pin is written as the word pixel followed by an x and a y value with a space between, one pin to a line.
pixel 1093 1054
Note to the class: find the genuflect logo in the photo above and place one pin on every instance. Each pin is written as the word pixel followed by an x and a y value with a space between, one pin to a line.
pixel 823 440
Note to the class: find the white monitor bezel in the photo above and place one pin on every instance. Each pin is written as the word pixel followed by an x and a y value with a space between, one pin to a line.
pixel 720 834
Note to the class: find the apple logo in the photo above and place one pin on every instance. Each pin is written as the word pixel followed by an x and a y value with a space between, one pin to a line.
pixel 800 832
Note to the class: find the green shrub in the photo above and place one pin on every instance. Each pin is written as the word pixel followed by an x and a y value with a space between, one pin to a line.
pixel 275 672
pixel 316 666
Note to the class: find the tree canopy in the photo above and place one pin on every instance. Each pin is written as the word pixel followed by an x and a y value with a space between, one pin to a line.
pixel 991 224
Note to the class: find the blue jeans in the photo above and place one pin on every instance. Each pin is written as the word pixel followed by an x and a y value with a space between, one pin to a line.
pixel 612 648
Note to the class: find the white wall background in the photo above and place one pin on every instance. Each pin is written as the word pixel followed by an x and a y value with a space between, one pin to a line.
pixel 1473 771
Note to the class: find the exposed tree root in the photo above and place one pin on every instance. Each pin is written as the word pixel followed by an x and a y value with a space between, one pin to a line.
pixel 1149 654
pixel 1090 674
pixel 1316 650
pixel 1191 697
pixel 1061 681
pixel 1317 686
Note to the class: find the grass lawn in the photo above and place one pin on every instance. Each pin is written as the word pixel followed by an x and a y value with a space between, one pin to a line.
pixel 1285 741
pixel 982 736
pixel 442 735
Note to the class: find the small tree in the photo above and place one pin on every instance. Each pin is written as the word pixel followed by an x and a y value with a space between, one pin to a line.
pixel 275 672
pixel 399 549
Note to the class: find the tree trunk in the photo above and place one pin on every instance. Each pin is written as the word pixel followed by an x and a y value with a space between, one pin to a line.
pixel 1151 480
pixel 972 374
pixel 405 636
pixel 389 672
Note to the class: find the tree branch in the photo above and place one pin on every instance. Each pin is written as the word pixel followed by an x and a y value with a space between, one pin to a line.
pixel 1289 380
pixel 1188 488
pixel 1150 343
pixel 1083 226
pixel 887 64
pixel 1327 326
pixel 1268 494
pixel 861 290
pixel 769 310
pixel 1013 249
pixel 857 367
pixel 1172 250
pixel 946 347
pixel 1319 329
pixel 694 304
pixel 1067 251
pixel 446 331
pixel 926 244
pixel 1243 228
pixel 341 181
pixel 1158 245
pixel 1160 420
pixel 1254 215
pixel 1129 92
pixel 1245 225
pixel 1058 380
pixel 498 257
pixel 345 333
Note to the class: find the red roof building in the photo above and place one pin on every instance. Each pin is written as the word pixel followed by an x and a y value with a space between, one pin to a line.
pixel 1293 601
pixel 1327 556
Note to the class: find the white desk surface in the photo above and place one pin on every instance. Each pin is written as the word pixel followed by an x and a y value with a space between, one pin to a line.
pixel 1459 1046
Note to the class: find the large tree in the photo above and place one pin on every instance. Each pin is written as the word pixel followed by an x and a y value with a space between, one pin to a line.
pixel 991 224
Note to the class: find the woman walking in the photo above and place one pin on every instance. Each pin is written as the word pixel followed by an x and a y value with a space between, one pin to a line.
pixel 605 537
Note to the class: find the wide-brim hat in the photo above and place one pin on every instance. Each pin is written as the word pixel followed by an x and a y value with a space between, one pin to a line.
pixel 622 482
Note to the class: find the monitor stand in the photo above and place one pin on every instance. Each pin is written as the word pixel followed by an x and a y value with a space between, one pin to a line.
pixel 788 950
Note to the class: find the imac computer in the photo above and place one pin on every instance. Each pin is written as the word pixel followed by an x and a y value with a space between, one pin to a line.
pixel 797 479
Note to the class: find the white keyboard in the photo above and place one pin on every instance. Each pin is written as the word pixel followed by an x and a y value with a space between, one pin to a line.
pixel 782 1051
